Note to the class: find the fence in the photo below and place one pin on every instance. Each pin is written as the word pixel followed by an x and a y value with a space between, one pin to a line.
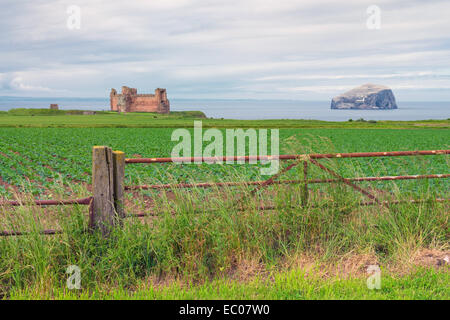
pixel 85 201
pixel 106 206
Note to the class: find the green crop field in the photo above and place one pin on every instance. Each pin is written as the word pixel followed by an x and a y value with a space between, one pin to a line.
pixel 35 159
pixel 196 243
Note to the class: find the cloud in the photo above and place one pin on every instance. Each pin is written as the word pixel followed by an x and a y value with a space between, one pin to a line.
pixel 236 48
pixel 16 83
pixel 347 76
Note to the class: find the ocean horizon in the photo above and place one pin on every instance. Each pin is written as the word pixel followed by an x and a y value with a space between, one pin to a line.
pixel 248 109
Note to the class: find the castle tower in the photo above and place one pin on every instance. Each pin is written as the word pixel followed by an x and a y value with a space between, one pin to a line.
pixel 113 99
pixel 163 103
pixel 130 101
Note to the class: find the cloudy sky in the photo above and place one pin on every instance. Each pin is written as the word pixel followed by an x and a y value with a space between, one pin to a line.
pixel 257 49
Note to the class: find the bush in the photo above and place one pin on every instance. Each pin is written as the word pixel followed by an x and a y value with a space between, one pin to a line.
pixel 43 112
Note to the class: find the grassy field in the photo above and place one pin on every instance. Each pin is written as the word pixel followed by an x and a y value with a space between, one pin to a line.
pixel 41 159
pixel 205 243
pixel 427 284
pixel 41 119
pixel 199 244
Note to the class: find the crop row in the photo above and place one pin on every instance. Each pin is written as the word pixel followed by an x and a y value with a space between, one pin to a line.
pixel 39 158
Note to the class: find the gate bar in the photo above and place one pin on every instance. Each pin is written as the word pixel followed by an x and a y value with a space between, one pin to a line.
pixel 346 181
pixel 289 157
pixel 225 184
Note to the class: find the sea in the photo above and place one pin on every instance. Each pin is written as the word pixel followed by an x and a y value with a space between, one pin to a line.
pixel 246 109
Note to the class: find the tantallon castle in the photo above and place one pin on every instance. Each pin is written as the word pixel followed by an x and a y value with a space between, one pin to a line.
pixel 130 101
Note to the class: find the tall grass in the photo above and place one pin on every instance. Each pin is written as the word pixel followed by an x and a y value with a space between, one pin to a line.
pixel 193 235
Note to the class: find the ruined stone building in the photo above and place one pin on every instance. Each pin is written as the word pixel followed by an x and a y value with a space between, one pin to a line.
pixel 130 101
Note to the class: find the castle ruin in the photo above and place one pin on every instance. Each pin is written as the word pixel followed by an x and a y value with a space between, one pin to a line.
pixel 130 101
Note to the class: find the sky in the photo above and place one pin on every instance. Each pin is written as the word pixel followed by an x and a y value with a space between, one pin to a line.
pixel 233 49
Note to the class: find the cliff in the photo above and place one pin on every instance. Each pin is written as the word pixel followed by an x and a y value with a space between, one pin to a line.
pixel 367 96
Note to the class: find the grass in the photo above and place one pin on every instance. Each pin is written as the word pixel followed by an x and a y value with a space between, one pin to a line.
pixel 204 242
pixel 424 284
pixel 199 244
pixel 51 112
pixel 39 118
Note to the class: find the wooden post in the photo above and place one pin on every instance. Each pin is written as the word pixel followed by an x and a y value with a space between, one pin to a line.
pixel 103 213
pixel 119 186
pixel 305 192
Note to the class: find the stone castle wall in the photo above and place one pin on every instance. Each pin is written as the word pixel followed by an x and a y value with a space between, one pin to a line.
pixel 130 101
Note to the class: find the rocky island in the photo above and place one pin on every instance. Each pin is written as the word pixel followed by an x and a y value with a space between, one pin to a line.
pixel 367 96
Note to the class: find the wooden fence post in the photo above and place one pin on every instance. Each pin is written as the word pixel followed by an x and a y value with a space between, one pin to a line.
pixel 103 213
pixel 119 186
